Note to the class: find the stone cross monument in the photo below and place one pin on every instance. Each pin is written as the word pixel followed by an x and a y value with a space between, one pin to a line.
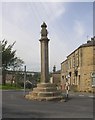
pixel 44 54
pixel 44 90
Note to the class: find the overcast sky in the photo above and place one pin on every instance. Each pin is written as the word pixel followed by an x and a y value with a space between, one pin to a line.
pixel 69 24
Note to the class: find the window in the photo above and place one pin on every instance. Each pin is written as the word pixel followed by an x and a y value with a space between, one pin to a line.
pixel 77 59
pixel 63 77
pixel 73 61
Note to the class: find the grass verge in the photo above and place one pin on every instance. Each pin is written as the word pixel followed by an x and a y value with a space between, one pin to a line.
pixel 9 87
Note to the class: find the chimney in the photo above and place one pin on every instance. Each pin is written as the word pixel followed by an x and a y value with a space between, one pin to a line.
pixel 92 38
pixel 88 41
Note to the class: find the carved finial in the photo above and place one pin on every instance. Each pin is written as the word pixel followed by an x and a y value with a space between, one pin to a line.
pixel 44 31
pixel 44 25
pixel 54 68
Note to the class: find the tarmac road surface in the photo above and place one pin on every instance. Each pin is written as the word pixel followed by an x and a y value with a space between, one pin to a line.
pixel 14 105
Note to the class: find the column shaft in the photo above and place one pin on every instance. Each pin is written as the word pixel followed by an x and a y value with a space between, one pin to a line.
pixel 44 61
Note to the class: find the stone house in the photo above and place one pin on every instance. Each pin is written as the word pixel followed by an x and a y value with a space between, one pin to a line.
pixel 14 76
pixel 56 77
pixel 79 67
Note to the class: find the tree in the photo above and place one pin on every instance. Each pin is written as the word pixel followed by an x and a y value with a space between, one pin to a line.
pixel 9 59
pixel 8 56
pixel 16 65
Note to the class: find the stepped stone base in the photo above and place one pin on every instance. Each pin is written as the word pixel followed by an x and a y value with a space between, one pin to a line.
pixel 45 91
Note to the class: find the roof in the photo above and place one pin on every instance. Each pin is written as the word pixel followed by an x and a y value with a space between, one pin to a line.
pixel 57 72
pixel 28 72
pixel 64 61
pixel 88 44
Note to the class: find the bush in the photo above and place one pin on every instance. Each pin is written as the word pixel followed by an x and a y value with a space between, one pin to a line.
pixel 21 84
pixel 28 85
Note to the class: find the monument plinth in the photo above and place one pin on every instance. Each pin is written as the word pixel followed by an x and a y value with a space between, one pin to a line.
pixel 44 90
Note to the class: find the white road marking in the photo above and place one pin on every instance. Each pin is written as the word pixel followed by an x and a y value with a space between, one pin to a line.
pixel 81 95
pixel 91 96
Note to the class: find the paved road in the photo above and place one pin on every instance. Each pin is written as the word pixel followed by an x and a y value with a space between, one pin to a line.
pixel 16 106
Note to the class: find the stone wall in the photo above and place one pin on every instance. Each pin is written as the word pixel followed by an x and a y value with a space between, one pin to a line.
pixel 78 68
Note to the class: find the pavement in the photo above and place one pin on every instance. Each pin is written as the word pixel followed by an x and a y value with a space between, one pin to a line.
pixel 79 105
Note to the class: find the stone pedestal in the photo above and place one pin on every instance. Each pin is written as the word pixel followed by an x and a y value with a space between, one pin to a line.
pixel 44 90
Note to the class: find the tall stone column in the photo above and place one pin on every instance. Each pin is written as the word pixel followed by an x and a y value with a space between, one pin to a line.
pixel 44 54
pixel 44 90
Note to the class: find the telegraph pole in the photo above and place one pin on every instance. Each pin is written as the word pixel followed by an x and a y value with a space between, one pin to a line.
pixel 24 78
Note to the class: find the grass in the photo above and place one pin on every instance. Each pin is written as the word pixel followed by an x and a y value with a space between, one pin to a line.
pixel 9 87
